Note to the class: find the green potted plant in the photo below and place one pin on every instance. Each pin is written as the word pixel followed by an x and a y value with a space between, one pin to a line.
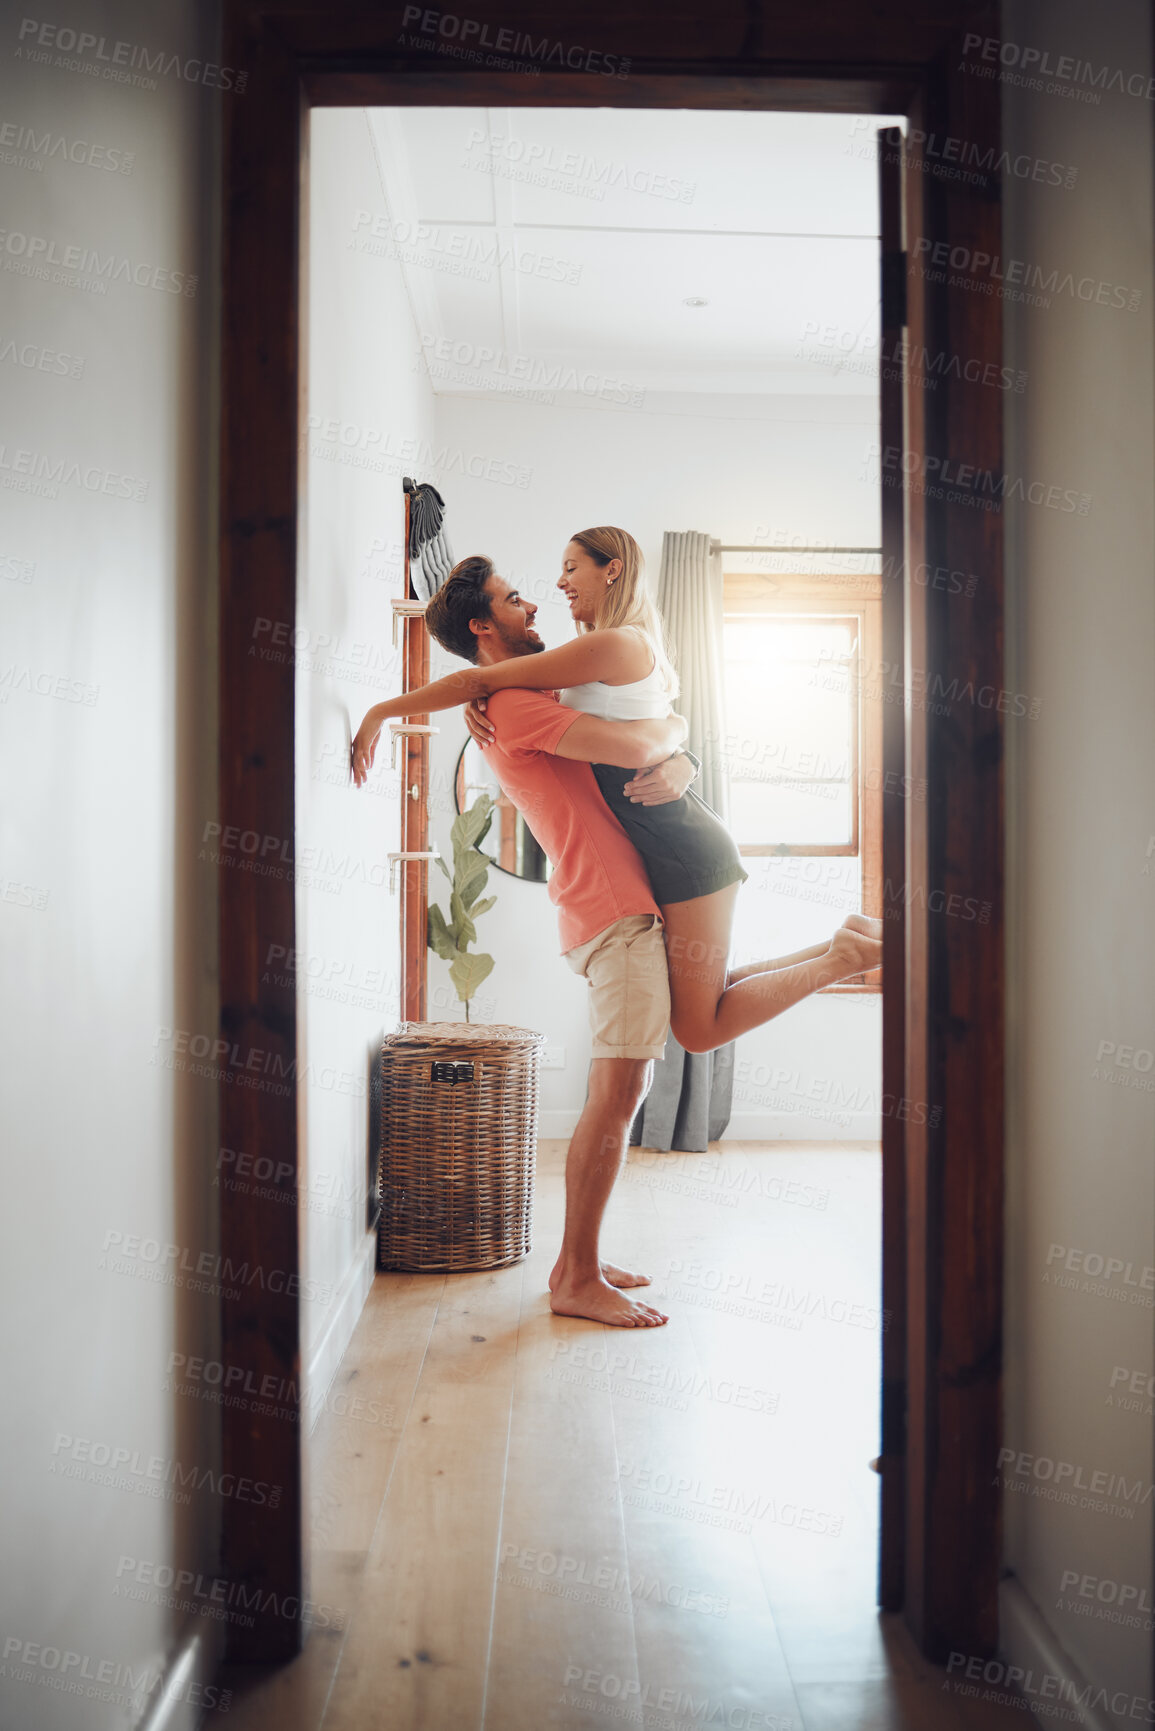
pixel 450 939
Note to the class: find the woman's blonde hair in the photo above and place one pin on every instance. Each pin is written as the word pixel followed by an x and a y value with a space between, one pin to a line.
pixel 627 601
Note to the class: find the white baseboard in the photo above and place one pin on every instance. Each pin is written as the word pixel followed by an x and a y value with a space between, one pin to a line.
pixel 1028 1641
pixel 757 1126
pixel 330 1349
pixel 803 1126
pixel 186 1688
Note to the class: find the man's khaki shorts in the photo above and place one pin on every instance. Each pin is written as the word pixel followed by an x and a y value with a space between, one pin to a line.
pixel 629 987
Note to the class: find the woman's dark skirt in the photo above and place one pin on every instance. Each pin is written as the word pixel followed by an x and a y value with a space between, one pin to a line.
pixel 686 848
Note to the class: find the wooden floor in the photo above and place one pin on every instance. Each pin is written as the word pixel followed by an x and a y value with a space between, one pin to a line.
pixel 521 1522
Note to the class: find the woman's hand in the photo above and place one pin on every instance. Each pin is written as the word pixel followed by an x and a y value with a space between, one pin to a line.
pixel 479 723
pixel 663 784
pixel 365 748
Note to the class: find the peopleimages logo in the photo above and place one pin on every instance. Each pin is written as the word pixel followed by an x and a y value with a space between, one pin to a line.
pixel 213 1595
pixel 636 1701
pixel 99 1678
pixel 129 1469
pixel 1072 1483
pixel 486 362
pixel 36 253
pixel 924 472
pixel 1017 274
pixel 587 174
pixel 950 158
pixel 23 147
pixel 1105 1591
pixel 464 251
pixel 38 359
pixel 120 63
pixel 963 1671
pixel 27 471
pixel 374 448
pixel 471 36
pixel 176 1264
pixel 1035 64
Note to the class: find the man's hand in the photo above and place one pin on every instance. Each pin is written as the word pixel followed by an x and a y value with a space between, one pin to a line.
pixel 479 723
pixel 663 784
pixel 365 748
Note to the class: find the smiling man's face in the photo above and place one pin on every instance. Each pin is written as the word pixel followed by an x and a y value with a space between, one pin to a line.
pixel 509 629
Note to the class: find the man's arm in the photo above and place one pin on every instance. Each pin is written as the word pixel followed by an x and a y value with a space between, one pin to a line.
pixel 627 744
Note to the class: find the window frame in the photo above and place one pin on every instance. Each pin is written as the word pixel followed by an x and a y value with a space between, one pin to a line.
pixel 840 596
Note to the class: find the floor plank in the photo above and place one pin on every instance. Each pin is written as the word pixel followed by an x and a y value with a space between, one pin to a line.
pixel 707 1645
pixel 349 1459
pixel 417 1651
pixel 523 1522
pixel 563 1604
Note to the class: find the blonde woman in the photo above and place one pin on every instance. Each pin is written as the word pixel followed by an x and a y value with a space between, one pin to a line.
pixel 617 668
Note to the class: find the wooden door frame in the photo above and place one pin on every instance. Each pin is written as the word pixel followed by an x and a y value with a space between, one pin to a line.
pixel 414 908
pixel 943 1070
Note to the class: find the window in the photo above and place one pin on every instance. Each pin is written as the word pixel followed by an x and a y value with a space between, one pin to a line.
pixel 802 748
pixel 791 733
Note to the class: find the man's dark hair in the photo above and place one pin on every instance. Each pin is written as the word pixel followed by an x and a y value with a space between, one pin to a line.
pixel 460 599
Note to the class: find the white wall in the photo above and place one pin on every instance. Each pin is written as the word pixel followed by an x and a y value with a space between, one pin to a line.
pixel 736 468
pixel 107 908
pixel 106 913
pixel 369 422
pixel 1081 1148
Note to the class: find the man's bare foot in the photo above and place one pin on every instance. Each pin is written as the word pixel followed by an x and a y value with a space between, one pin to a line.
pixel 598 1301
pixel 870 928
pixel 852 952
pixel 611 1274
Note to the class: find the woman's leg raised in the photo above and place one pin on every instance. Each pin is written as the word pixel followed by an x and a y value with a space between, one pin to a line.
pixel 768 967
pixel 705 1012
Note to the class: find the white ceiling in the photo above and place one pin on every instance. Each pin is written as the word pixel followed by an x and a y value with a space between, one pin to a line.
pixel 772 219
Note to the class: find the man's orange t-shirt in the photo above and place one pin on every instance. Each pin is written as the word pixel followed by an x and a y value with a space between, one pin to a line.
pixel 598 876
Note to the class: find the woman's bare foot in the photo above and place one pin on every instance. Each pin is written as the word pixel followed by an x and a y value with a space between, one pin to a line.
pixel 598 1301
pixel 852 952
pixel 870 928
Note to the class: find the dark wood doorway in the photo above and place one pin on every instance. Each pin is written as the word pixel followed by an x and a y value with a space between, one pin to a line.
pixel 943 856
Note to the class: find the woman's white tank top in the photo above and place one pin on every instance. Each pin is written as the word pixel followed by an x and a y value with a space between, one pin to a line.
pixel 640 700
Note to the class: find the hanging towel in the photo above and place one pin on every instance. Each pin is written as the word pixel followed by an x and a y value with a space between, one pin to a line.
pixel 429 549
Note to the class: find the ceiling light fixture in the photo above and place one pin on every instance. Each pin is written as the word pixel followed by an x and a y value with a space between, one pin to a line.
pixel 695 301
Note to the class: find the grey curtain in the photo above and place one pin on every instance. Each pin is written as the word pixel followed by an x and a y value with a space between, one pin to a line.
pixel 690 602
pixel 689 1103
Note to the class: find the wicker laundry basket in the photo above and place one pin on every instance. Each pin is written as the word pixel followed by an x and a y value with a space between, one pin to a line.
pixel 458 1138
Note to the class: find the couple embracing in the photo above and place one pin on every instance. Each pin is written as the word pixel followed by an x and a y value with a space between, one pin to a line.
pixel 583 741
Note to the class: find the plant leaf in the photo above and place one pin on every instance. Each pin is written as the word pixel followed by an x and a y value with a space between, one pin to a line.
pixel 478 818
pixel 470 880
pixel 470 825
pixel 480 908
pixel 467 973
pixel 439 861
pixel 439 937
pixel 471 864
pixel 463 928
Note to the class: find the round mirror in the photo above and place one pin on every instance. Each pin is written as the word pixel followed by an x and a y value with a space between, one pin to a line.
pixel 508 842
